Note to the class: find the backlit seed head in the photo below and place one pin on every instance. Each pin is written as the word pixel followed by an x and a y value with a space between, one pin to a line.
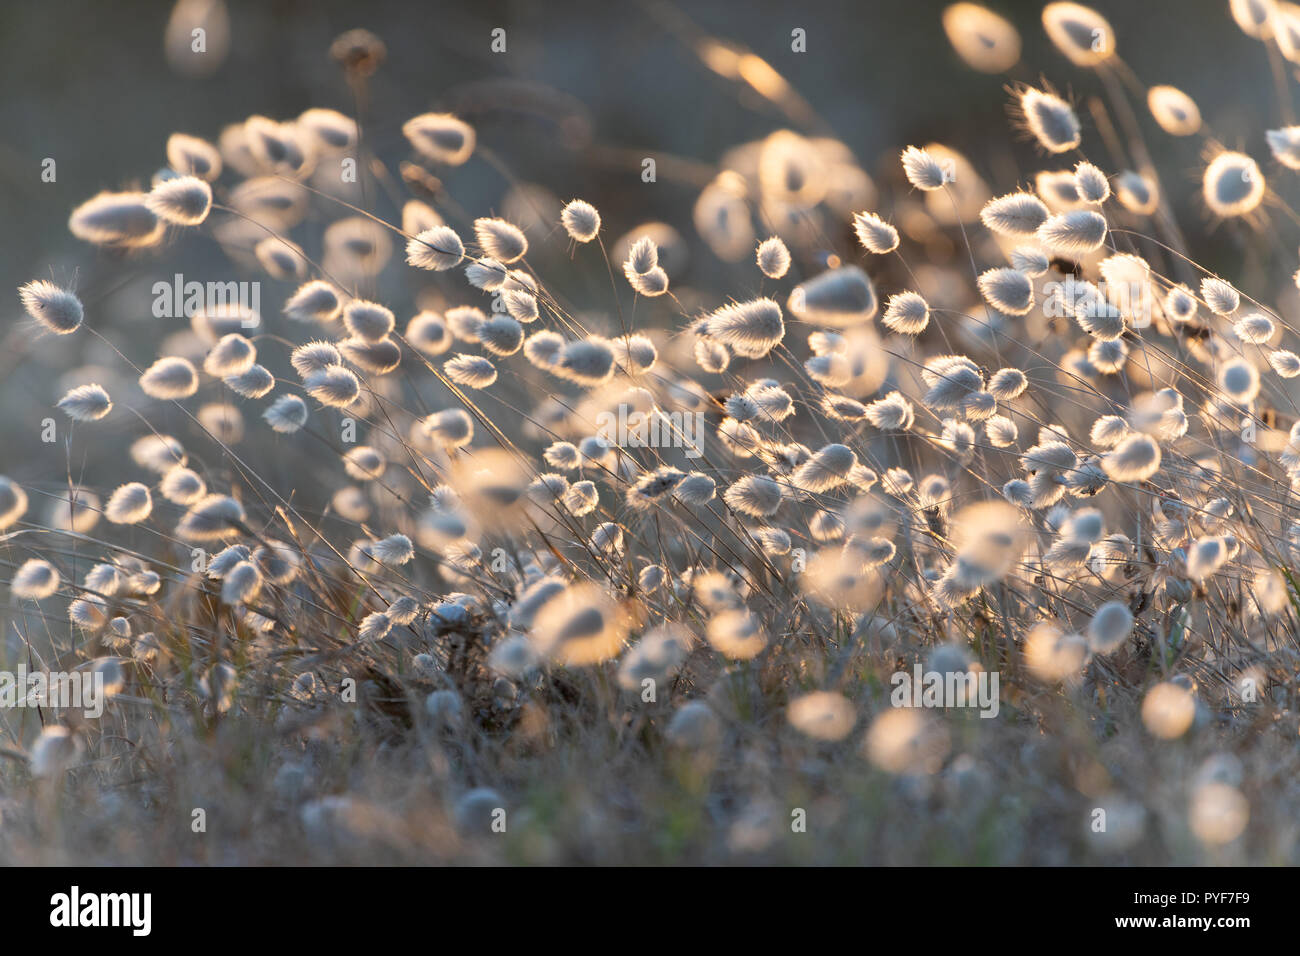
pixel 182 201
pixel 580 220
pixel 57 310
pixel 1050 119
pixel 1233 184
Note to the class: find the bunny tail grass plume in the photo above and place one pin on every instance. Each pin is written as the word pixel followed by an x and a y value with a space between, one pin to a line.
pixel 1238 378
pixel 907 313
pixel 231 355
pixel 54 751
pixel 35 580
pixel 1007 290
pixel 486 274
pixel 1285 363
pixel 755 495
pixel 891 413
pixel 286 415
pixel 368 320
pixel 1136 193
pixel 253 382
pixel 191 156
pixel 838 298
pixel 364 463
pixel 440 137
pixel 129 504
pixel 333 385
pixel 1007 384
pixel 332 131
pixel 580 220
pixel 501 335
pixel 1285 145
pixel 454 428
pixel 428 332
pixel 1080 32
pixel 500 240
pixel 1050 119
pixel 394 551
pixel 1092 183
pixel 923 170
pixel 437 249
pixel 182 201
pixel 1233 184
pixel 121 220
pixel 1255 18
pixel 543 349
pixel 750 329
pixel 314 356
pixel 1110 627
pixel 822 715
pixel 1030 260
pixel 57 310
pixel 696 489
pixel 170 378
pixel 1220 296
pixel 241 583
pixel 876 235
pixel 1254 329
pixel 1073 233
pixel 211 518
pixel 1136 458
pixel 281 258
pixel 828 468
pixel 181 486
pixel 473 371
pixel 984 40
pixel 1175 112
pixel 1016 214
pixel 316 301
pixel 587 362
pixel 635 353
pixel 86 403
pixel 773 258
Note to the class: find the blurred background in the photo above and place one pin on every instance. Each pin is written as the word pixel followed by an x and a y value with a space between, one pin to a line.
pixel 581 94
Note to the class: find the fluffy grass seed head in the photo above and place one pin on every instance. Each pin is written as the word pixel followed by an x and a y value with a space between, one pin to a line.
pixel 1050 119
pixel 57 310
pixel 286 415
pixel 580 220
pixel 440 137
pixel 86 403
pixel 923 170
pixel 129 504
pixel 1073 233
pixel 437 249
pixel 773 257
pixel 35 580
pixel 500 240
pixel 1015 214
pixel 876 235
pixel 1080 32
pixel 1175 112
pixel 1232 185
pixel 181 201
pixel 985 41
pixel 317 301
pixel 333 385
